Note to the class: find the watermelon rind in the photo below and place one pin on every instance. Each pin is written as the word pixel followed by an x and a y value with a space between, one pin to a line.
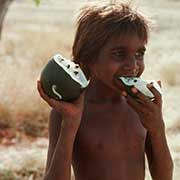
pixel 58 82
pixel 140 84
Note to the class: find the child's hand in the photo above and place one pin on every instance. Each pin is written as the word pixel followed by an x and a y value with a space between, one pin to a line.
pixel 71 112
pixel 150 112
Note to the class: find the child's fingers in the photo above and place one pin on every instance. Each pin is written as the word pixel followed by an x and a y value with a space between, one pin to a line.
pixel 141 97
pixel 58 105
pixel 40 90
pixel 124 93
pixel 62 107
pixel 41 93
pixel 133 103
pixel 157 95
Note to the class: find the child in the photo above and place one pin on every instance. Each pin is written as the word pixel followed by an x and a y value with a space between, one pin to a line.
pixel 105 133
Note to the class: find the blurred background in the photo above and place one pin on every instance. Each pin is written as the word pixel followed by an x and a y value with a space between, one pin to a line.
pixel 31 36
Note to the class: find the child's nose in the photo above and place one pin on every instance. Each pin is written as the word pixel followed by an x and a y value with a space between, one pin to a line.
pixel 130 63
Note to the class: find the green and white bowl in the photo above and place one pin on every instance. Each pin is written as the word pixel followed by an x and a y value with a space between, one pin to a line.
pixel 62 79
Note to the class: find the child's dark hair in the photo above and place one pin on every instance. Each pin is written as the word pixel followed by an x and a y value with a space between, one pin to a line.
pixel 98 23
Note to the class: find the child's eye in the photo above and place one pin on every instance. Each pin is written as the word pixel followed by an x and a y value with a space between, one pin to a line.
pixel 139 55
pixel 119 54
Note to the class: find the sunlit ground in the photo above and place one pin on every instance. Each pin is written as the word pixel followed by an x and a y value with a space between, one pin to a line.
pixel 31 36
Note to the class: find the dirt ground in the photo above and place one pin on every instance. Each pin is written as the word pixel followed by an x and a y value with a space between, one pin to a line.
pixel 18 150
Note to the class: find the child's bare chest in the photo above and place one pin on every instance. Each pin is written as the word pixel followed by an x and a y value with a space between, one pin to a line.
pixel 113 130
pixel 110 139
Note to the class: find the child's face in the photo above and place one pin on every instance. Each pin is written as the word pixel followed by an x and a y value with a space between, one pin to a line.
pixel 121 56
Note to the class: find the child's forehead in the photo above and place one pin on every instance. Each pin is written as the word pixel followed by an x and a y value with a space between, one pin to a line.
pixel 131 41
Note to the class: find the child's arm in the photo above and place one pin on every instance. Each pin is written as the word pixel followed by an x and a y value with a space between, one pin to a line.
pixel 64 123
pixel 150 113
pixel 55 121
pixel 159 158
pixel 61 139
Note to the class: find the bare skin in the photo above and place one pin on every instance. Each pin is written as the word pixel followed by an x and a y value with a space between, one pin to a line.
pixel 105 133
pixel 111 147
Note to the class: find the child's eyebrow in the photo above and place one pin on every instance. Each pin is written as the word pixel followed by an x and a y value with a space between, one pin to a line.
pixel 119 48
pixel 125 48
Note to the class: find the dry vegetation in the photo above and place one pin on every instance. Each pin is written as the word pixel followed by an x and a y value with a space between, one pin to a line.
pixel 31 36
pixel 21 62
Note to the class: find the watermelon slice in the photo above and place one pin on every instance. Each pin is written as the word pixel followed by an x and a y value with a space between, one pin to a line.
pixel 62 79
pixel 140 84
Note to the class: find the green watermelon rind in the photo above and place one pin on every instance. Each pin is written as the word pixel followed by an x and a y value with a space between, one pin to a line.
pixel 142 88
pixel 83 82
pixel 48 78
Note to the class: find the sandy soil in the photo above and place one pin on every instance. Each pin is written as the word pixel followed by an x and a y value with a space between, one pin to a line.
pixel 49 17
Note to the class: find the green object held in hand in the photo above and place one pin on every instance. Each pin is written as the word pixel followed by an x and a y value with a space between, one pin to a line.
pixel 140 84
pixel 62 79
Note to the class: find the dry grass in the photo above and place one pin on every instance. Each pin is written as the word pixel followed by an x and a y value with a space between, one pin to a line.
pixel 5 118
pixel 175 129
pixel 24 52
pixel 170 74
pixel 24 174
pixel 20 64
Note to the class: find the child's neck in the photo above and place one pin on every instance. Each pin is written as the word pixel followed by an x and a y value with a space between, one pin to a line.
pixel 98 92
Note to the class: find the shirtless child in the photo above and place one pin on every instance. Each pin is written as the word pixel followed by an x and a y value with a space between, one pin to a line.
pixel 105 134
